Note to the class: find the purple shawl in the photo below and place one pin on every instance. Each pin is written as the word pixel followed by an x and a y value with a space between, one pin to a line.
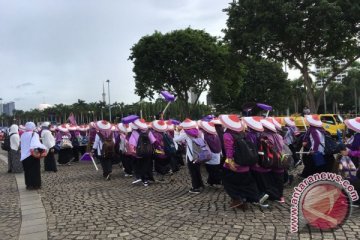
pixel 192 132
pixel 312 131
pixel 213 142
pixel 355 145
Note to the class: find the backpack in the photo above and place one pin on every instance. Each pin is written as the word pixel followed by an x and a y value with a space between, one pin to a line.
pixel 128 148
pixel 84 140
pixel 108 146
pixel 65 143
pixel 331 147
pixel 200 150
pixel 169 145
pixel 144 147
pixel 213 142
pixel 270 157
pixel 287 160
pixel 75 142
pixel 6 144
pixel 246 152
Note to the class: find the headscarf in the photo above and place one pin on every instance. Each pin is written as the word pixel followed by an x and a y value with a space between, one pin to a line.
pixel 30 126
pixel 193 132
pixel 14 129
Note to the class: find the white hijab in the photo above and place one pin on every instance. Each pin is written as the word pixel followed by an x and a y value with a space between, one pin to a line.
pixel 29 140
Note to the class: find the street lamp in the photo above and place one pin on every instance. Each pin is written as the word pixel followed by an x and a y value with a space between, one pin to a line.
pixel 108 82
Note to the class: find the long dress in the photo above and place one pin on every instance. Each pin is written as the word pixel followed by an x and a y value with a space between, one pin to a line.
pixel 14 161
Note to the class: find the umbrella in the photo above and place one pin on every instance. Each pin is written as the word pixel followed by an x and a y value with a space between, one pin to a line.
pixel 169 98
pixel 129 119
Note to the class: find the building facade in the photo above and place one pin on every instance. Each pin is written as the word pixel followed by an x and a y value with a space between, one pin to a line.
pixel 8 108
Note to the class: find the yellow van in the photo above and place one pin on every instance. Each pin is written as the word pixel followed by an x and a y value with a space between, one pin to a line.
pixel 332 123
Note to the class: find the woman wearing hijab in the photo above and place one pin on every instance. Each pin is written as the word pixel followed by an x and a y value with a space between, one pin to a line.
pixel 189 132
pixel 262 176
pixel 103 139
pixel 30 141
pixel 126 158
pixel 353 143
pixel 143 165
pixel 212 139
pixel 237 180
pixel 276 189
pixel 314 142
pixel 49 142
pixel 14 164
pixel 162 160
pixel 65 152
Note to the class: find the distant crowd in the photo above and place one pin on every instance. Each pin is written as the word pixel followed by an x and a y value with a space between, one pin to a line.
pixel 251 157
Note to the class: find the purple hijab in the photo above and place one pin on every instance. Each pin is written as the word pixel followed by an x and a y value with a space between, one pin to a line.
pixel 355 145
pixel 192 132
pixel 252 136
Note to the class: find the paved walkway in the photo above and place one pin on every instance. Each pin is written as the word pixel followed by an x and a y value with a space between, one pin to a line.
pixel 33 216
pixel 79 204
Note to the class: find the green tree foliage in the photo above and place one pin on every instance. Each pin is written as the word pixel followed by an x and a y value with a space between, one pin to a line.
pixel 178 61
pixel 260 81
pixel 302 33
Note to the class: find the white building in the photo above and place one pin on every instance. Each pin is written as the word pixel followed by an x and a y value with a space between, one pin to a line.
pixel 327 70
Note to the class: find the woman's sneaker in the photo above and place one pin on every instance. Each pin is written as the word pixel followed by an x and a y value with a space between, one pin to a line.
pixel 194 190
pixel 136 181
pixel 263 199
pixel 282 200
pixel 146 183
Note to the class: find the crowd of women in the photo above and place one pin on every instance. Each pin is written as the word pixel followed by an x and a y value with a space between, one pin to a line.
pixel 238 153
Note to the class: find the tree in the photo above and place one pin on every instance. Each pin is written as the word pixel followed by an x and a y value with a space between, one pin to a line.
pixel 352 83
pixel 178 61
pixel 302 33
pixel 260 81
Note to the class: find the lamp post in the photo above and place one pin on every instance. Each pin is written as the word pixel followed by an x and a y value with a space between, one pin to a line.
pixel 108 82
pixel 323 82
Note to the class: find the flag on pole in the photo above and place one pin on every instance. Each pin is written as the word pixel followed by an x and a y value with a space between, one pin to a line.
pixel 72 119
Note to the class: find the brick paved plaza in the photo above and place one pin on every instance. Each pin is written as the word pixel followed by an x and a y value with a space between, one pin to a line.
pixel 79 204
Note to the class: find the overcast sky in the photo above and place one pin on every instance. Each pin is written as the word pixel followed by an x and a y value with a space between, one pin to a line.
pixel 58 51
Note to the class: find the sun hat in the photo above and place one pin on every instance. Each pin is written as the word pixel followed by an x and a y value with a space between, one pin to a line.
pixel 216 121
pixel 141 124
pixel 124 128
pixel 72 127
pixel 254 123
pixel 170 125
pixel 63 128
pixel 268 124
pixel 188 124
pixel 133 126
pixel 209 127
pixel 313 120
pixel 159 125
pixel 45 124
pixel 232 122
pixel 276 121
pixel 289 121
pixel 92 125
pixel 353 124
pixel 82 128
pixel 114 128
pixel 30 126
pixel 103 125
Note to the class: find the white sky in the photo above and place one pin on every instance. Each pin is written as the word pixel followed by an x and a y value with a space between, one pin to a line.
pixel 58 51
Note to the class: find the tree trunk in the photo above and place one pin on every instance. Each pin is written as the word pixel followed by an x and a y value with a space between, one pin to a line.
pixel 310 96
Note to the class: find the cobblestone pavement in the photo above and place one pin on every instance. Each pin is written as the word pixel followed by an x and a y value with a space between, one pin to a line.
pixel 10 215
pixel 81 205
